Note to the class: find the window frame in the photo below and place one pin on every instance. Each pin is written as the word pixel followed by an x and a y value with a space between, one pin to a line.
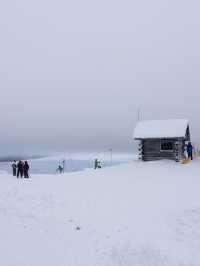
pixel 166 141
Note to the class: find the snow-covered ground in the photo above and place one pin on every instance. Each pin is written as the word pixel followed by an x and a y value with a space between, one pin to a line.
pixel 135 214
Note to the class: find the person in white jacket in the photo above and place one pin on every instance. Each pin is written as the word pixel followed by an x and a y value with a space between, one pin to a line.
pixel 14 168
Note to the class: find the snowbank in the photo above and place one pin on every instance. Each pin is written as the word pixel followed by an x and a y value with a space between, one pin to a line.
pixel 136 214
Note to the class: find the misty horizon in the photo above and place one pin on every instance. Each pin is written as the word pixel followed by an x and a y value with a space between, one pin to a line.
pixel 72 79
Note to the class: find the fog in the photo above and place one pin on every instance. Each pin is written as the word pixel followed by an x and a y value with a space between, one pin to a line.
pixel 73 74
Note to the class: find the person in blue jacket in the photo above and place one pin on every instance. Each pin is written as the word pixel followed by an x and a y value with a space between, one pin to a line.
pixel 190 150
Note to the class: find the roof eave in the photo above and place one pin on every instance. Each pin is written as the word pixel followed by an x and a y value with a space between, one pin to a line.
pixel 182 137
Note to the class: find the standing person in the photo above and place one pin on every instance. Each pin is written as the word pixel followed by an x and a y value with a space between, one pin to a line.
pixel 190 150
pixel 26 170
pixel 97 164
pixel 20 169
pixel 23 162
pixel 14 168
pixel 60 169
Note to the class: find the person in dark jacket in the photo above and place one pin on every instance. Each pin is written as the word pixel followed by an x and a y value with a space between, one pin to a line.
pixel 60 169
pixel 97 164
pixel 190 150
pixel 26 170
pixel 14 168
pixel 20 169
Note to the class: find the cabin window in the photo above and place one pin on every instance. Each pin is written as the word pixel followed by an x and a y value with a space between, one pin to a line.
pixel 166 145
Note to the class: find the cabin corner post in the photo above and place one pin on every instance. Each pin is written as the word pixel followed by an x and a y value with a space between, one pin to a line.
pixel 140 149
pixel 185 147
pixel 178 150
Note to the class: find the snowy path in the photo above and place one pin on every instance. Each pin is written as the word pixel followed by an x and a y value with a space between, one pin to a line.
pixel 137 214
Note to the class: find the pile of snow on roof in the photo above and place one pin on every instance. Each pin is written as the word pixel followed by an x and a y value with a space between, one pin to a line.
pixel 161 129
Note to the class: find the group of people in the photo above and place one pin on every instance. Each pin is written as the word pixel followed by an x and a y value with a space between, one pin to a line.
pixel 20 169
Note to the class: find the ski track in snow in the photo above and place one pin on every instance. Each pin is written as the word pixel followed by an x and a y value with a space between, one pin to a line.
pixel 137 214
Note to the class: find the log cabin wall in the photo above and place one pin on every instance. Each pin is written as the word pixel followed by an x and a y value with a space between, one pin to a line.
pixel 150 150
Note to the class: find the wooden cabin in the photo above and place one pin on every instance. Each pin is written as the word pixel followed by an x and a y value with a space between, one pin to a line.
pixel 162 139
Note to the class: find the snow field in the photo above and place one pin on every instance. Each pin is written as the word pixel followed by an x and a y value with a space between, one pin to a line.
pixel 136 214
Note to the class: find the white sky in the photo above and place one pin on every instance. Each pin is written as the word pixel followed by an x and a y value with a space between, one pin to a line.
pixel 73 73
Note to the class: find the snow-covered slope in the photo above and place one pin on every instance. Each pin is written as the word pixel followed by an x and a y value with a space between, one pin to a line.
pixel 136 214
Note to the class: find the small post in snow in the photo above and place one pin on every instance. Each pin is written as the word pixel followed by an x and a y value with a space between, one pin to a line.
pixel 138 113
pixel 111 155
pixel 64 163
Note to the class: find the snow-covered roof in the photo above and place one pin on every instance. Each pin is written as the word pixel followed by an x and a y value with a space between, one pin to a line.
pixel 175 128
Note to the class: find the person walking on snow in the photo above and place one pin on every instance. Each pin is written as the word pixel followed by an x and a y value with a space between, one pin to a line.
pixel 190 150
pixel 26 169
pixel 20 169
pixel 14 168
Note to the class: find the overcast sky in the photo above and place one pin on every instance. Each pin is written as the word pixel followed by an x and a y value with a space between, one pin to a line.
pixel 73 73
